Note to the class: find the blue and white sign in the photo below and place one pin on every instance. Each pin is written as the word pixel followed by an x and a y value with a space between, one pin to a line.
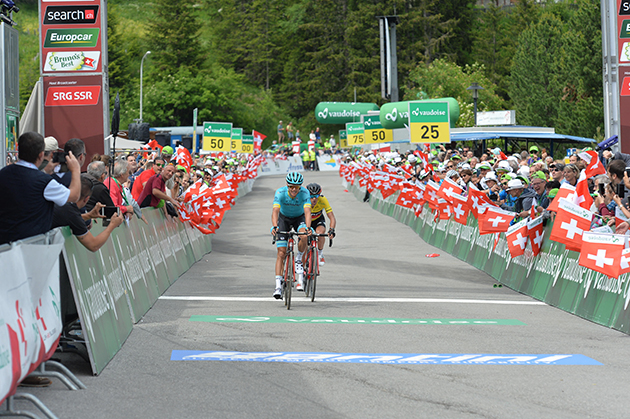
pixel 443 359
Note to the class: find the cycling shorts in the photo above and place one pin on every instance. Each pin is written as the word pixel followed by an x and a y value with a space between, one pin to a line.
pixel 321 221
pixel 285 224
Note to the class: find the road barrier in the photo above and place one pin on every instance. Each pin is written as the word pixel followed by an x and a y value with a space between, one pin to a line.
pixel 553 276
pixel 114 287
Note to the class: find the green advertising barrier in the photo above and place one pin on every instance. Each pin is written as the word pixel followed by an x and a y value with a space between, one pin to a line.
pixel 553 276
pixel 115 286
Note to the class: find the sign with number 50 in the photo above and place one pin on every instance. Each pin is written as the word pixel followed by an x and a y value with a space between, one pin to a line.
pixel 429 122
pixel 217 136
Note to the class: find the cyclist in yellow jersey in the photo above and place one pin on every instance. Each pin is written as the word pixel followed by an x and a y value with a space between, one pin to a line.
pixel 319 205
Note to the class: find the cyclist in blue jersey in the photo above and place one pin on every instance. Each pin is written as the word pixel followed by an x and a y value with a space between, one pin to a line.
pixel 291 208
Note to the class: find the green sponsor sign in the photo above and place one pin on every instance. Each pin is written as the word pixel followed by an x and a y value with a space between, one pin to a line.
pixel 342 112
pixel 353 320
pixel 217 136
pixel 625 29
pixel 396 114
pixel 71 38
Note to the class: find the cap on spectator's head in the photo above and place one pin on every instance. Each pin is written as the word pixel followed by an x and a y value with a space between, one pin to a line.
pixel 523 171
pixel 51 144
pixel 456 157
pixel 490 176
pixel 523 179
pixel 412 159
pixel 451 173
pixel 168 150
pixel 465 166
pixel 538 175
pixel 552 193
pixel 504 166
pixel 423 174
pixel 533 148
pixel 496 151
pixel 559 166
pixel 515 184
pixel 484 166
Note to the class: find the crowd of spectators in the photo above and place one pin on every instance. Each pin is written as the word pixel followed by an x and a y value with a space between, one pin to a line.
pixel 516 181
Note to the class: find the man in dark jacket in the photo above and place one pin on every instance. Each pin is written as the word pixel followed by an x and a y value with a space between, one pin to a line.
pixel 100 193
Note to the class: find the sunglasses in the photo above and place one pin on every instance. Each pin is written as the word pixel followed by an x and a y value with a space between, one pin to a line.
pixel 314 196
pixel 294 186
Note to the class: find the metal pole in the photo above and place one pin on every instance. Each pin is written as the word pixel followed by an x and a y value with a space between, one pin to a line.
pixel 475 103
pixel 141 65
pixel 393 64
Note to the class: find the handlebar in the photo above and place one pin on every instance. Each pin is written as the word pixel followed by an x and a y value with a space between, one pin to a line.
pixel 294 233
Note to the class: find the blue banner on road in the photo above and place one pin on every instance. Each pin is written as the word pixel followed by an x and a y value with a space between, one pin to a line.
pixel 444 359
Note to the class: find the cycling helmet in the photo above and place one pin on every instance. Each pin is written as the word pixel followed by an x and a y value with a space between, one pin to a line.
pixel 314 188
pixel 295 178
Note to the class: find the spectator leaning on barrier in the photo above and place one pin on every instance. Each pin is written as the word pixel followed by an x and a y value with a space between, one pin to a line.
pixel 151 169
pixel 155 190
pixel 100 193
pixel 114 184
pixel 524 197
pixel 29 195
pixel 70 215
pixel 538 184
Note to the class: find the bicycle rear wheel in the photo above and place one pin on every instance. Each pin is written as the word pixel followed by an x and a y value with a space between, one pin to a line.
pixel 307 273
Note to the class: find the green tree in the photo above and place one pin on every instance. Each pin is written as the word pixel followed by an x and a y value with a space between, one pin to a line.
pixel 535 86
pixel 442 78
pixel 173 33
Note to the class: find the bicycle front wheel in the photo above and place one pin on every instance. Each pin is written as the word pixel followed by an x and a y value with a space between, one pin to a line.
pixel 288 280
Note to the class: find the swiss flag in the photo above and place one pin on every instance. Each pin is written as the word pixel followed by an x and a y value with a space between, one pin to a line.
pixel 625 261
pixel 390 169
pixel 183 158
pixel 566 191
pixel 495 220
pixel 448 188
pixel 258 139
pixel 477 200
pixel 602 253
pixel 445 209
pixel 296 146
pixel 536 233
pixel 517 238
pixel 595 167
pixel 460 208
pixel 570 224
pixel 407 197
pixel 221 185
pixel 583 196
pixel 422 156
pixel 431 194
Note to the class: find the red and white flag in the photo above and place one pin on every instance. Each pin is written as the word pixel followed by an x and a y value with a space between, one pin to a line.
pixel 594 167
pixel 296 146
pixel 258 139
pixel 407 197
pixel 582 195
pixel 448 188
pixel 517 238
pixel 625 261
pixel 536 233
pixel 571 222
pixel 477 200
pixel 183 158
pixel 431 194
pixel 445 209
pixel 602 253
pixel 495 220
pixel 460 209
pixel 566 191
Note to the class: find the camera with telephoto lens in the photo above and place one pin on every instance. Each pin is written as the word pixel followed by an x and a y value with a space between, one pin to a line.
pixel 607 143
pixel 621 190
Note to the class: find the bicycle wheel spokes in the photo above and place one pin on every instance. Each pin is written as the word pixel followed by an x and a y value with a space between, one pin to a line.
pixel 289 280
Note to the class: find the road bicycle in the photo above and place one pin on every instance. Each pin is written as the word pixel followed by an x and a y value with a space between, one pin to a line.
pixel 288 277
pixel 311 265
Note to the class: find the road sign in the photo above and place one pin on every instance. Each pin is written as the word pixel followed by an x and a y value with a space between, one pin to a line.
pixel 374 131
pixel 355 133
pixel 343 138
pixel 217 136
pixel 429 122
pixel 247 144
pixel 237 138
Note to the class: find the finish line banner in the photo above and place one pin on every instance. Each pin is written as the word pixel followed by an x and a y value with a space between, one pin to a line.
pixel 395 359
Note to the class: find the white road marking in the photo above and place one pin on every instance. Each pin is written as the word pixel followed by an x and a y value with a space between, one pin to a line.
pixel 358 300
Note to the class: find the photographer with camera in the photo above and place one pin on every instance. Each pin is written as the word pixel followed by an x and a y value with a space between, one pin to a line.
pixel 77 147
pixel 618 174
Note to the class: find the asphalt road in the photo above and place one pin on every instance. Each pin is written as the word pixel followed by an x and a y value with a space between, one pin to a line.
pixel 376 269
